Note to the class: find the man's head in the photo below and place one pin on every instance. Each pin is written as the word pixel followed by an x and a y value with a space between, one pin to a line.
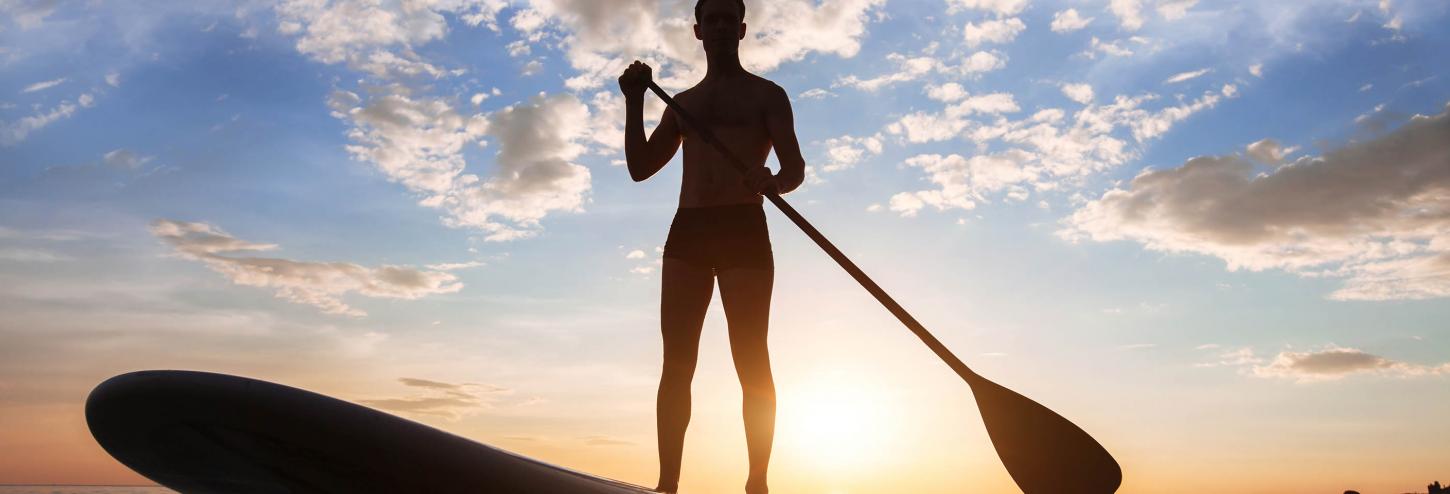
pixel 739 5
pixel 720 23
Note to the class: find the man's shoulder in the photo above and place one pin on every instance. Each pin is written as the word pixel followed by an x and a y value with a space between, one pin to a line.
pixel 766 83
pixel 768 88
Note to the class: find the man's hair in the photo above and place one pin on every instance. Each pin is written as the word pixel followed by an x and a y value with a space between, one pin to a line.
pixel 738 3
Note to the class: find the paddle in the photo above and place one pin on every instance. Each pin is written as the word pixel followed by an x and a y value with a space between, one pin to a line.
pixel 1044 452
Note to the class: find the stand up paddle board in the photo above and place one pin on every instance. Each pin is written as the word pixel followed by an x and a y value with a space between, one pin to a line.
pixel 199 432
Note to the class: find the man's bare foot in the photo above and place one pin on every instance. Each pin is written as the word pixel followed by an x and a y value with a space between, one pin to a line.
pixel 671 489
pixel 753 486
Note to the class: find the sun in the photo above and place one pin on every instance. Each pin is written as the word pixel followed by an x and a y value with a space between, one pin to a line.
pixel 836 424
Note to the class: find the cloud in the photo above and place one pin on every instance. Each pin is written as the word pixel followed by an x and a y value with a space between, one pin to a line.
pixel 908 68
pixel 1332 363
pixel 1052 148
pixel 1186 76
pixel 28 14
pixel 963 182
pixel 1175 9
pixel 992 31
pixel 21 255
pixel 455 266
pixel 927 127
pixel 43 85
pixel 1081 93
pixel 1129 12
pixel 113 78
pixel 1117 48
pixel 1375 213
pixel 125 159
pixel 418 142
pixel 816 93
pixel 600 38
pixel 1156 124
pixel 1000 7
pixel 845 151
pixel 365 33
pixel 948 92
pixel 1268 151
pixel 1068 21
pixel 606 441
pixel 442 399
pixel 12 133
pixel 320 284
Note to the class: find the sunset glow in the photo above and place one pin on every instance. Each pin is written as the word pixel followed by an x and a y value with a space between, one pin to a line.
pixel 1213 234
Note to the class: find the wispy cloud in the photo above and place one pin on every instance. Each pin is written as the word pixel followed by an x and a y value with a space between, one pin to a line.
pixel 320 284
pixel 1186 76
pixel 43 85
pixel 12 133
pixel 437 398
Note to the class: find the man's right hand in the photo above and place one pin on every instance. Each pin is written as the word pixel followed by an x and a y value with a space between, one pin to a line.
pixel 635 79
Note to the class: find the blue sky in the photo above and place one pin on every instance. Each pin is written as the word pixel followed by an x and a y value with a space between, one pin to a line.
pixel 1166 206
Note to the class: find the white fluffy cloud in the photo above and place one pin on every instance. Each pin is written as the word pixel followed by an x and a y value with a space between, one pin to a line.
pixel 1374 213
pixel 912 68
pixel 992 31
pixel 1068 21
pixel 845 151
pixel 419 143
pixel 999 7
pixel 908 68
pixel 963 182
pixel 600 38
pixel 320 284
pixel 920 127
pixel 1129 12
pixel 419 140
pixel 1081 93
pixel 1175 9
pixel 1052 148
pixel 354 31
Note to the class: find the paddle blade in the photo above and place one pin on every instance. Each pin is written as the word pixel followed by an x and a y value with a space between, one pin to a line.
pixel 1044 452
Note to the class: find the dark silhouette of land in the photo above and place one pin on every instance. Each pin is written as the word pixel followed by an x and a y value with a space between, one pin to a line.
pixel 719 230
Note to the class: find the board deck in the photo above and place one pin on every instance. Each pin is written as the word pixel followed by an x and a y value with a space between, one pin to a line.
pixel 200 432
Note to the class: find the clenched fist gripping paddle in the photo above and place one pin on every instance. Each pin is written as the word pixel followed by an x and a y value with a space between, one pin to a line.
pixel 1044 452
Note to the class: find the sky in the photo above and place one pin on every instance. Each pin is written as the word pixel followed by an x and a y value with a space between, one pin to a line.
pixel 1214 234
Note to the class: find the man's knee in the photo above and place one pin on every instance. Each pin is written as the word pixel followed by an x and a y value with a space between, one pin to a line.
pixel 758 387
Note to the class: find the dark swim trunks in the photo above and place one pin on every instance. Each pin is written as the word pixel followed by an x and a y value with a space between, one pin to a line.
pixel 721 237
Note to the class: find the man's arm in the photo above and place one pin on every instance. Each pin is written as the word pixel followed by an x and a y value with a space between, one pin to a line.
pixel 780 123
pixel 645 157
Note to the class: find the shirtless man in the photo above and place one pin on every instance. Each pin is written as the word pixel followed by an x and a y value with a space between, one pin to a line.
pixel 719 229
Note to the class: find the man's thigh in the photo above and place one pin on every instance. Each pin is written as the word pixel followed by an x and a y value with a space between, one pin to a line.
pixel 685 292
pixel 745 293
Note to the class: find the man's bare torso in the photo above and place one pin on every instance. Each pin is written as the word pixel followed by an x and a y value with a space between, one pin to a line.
pixel 735 111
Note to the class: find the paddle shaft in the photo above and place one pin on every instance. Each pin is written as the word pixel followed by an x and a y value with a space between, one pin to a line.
pixel 826 245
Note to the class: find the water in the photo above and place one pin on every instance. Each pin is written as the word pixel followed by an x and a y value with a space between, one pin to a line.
pixel 82 489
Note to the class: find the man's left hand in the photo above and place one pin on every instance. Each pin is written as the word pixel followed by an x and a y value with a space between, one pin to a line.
pixel 762 181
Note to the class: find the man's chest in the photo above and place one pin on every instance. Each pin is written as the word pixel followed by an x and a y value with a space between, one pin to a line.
pixel 725 109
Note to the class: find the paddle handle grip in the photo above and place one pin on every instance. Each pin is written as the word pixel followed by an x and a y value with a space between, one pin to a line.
pixel 825 244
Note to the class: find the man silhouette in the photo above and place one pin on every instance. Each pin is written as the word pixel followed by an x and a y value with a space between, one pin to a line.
pixel 719 229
